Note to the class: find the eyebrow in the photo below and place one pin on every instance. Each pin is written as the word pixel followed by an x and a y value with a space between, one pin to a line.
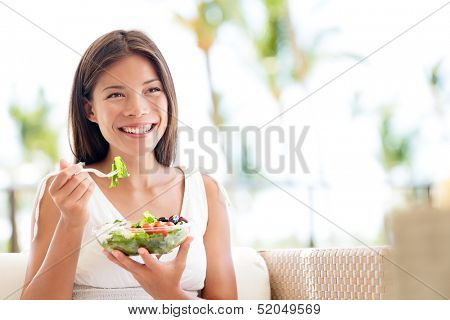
pixel 122 87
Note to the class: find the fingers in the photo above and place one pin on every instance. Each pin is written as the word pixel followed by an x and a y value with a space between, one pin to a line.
pixel 63 164
pixel 85 197
pixel 148 259
pixel 79 180
pixel 127 263
pixel 64 176
pixel 113 259
pixel 79 186
pixel 135 267
pixel 183 251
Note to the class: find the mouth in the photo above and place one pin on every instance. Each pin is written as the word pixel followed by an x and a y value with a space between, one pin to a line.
pixel 138 131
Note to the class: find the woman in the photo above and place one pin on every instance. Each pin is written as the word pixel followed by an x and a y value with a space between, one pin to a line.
pixel 123 103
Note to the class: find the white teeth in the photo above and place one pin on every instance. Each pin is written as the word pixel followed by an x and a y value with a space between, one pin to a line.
pixel 138 130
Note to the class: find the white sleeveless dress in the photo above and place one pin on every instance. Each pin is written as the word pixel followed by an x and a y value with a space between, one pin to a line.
pixel 98 278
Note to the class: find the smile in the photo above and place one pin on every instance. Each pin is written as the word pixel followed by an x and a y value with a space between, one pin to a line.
pixel 138 131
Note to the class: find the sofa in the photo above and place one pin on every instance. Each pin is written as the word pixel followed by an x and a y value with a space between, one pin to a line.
pixel 287 274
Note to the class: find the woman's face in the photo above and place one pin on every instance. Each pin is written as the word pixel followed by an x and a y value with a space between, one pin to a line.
pixel 130 106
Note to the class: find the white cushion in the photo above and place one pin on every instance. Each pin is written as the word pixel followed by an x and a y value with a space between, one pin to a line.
pixel 252 275
pixel 12 270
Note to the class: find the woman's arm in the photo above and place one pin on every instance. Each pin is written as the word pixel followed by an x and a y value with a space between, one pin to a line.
pixel 48 275
pixel 220 280
pixel 55 276
pixel 55 249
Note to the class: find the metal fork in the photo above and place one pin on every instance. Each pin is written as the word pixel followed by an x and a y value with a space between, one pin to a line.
pixel 97 172
pixel 94 171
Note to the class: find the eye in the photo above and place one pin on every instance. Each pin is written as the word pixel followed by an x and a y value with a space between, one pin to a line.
pixel 112 95
pixel 154 89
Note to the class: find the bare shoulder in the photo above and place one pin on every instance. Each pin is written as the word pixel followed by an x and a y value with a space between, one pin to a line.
pixel 213 192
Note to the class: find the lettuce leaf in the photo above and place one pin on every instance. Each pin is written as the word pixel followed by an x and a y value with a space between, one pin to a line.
pixel 122 172
pixel 148 218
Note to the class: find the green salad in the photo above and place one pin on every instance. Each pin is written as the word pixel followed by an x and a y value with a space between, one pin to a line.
pixel 119 166
pixel 157 235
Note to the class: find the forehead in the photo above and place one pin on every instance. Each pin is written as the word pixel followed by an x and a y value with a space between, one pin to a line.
pixel 129 71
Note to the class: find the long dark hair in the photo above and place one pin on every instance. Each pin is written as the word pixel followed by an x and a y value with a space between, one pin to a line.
pixel 86 141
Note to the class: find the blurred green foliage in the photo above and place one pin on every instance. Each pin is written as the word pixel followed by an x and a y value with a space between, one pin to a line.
pixel 280 55
pixel 211 15
pixel 36 132
pixel 396 149
pixel 435 76
pixel 436 81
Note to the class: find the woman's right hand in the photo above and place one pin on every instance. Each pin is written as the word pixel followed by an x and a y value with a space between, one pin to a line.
pixel 70 191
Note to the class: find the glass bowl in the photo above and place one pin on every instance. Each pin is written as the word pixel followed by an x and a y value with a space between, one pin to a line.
pixel 158 240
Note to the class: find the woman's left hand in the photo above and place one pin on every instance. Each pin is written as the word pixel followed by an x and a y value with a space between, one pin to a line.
pixel 160 279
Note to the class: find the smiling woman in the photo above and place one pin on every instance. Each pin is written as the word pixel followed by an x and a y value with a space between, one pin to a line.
pixel 117 84
pixel 132 111
pixel 123 104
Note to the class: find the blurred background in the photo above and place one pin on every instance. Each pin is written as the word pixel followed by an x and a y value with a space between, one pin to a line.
pixel 378 128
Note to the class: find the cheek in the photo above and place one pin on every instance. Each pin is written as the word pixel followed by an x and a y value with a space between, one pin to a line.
pixel 107 132
pixel 105 124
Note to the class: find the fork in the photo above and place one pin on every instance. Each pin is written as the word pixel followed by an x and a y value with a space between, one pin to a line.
pixel 94 171
pixel 97 172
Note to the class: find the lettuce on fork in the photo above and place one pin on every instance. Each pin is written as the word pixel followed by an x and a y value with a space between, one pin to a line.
pixel 119 166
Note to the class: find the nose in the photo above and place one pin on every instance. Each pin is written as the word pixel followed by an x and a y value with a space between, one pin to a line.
pixel 137 106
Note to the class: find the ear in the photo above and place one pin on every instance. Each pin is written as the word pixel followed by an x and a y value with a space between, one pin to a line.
pixel 89 110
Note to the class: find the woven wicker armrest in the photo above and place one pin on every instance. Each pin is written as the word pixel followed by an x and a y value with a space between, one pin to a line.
pixel 338 273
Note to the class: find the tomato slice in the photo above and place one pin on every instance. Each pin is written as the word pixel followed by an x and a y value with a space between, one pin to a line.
pixel 163 231
pixel 157 224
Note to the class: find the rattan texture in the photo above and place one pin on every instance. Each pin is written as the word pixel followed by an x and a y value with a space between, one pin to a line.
pixel 336 273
